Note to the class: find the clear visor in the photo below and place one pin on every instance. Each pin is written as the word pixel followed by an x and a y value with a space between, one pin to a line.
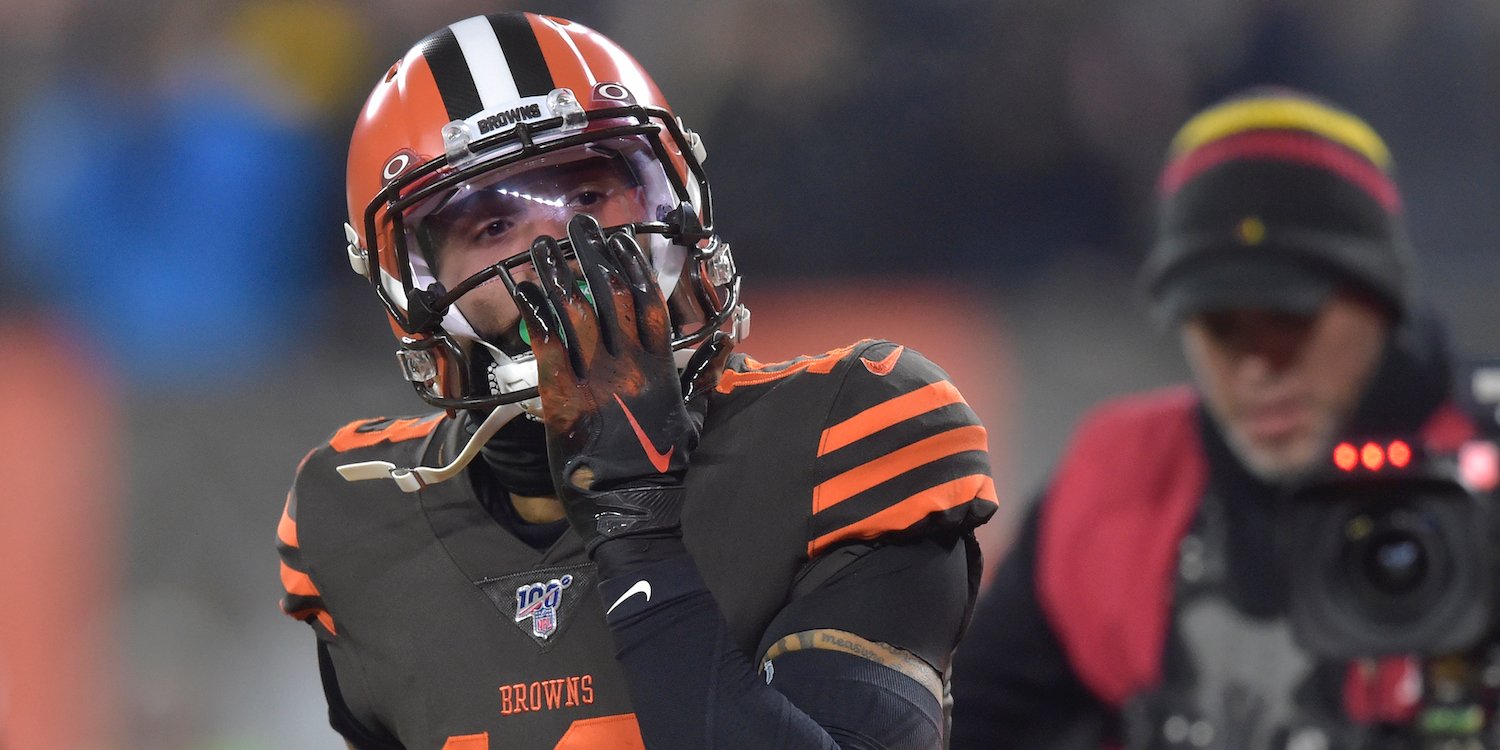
pixel 494 218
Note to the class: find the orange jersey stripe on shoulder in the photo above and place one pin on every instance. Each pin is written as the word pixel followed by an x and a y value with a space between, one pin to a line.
pixel 880 416
pixel 297 583
pixel 300 584
pixel 351 436
pixel 756 375
pixel 902 515
pixel 896 463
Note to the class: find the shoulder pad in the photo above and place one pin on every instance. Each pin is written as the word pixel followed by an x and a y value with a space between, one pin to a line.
pixel 901 453
pixel 747 371
pixel 364 433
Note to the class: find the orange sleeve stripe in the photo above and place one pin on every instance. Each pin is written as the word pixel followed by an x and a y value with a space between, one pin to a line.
pixel 896 463
pixel 297 583
pixel 902 515
pixel 349 436
pixel 899 409
pixel 819 365
pixel 286 530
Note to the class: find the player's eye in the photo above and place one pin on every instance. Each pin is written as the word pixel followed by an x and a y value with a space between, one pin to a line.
pixel 588 196
pixel 494 229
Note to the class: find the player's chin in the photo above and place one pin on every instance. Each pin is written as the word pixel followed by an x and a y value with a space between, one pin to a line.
pixel 500 331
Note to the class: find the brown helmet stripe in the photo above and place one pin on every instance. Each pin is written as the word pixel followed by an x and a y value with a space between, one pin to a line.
pixel 524 53
pixel 451 72
pixel 484 63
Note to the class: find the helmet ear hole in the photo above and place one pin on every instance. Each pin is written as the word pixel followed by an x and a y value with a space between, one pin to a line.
pixel 613 94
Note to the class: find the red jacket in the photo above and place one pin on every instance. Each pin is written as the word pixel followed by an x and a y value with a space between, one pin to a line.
pixel 1124 495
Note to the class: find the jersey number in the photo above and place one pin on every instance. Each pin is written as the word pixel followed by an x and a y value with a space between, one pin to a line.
pixel 617 732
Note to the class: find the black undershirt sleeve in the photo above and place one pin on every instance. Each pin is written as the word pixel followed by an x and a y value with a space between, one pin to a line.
pixel 692 688
pixel 913 595
pixel 1013 687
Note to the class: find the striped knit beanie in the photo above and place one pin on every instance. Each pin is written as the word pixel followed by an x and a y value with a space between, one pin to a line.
pixel 1272 200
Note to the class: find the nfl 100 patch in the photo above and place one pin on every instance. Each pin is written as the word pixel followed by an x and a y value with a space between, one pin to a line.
pixel 542 602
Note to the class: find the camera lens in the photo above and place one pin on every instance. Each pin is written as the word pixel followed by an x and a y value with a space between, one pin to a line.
pixel 1394 561
pixel 1391 568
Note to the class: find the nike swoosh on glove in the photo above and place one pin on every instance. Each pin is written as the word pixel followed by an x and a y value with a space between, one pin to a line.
pixel 619 435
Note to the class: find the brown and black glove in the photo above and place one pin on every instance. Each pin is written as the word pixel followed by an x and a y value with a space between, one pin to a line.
pixel 619 434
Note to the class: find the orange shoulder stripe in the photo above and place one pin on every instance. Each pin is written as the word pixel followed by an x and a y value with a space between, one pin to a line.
pixel 896 463
pixel 883 415
pixel 902 515
pixel 350 437
pixel 286 529
pixel 819 365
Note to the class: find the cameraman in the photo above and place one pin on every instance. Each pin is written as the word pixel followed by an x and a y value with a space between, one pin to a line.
pixel 1144 603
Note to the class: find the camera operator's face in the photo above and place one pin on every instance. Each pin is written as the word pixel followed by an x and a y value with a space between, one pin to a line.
pixel 1281 385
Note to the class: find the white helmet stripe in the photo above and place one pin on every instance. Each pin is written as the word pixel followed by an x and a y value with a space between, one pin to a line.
pixel 487 64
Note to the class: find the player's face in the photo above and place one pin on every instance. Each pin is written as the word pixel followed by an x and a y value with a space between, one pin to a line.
pixel 487 224
pixel 1281 386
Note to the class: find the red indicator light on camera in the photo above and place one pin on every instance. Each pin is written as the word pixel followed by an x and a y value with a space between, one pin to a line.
pixel 1346 456
pixel 1399 454
pixel 1372 456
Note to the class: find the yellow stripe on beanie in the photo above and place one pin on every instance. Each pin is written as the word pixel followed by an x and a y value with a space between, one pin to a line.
pixel 1282 114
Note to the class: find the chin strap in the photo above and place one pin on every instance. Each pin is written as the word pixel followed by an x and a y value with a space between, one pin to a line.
pixel 413 479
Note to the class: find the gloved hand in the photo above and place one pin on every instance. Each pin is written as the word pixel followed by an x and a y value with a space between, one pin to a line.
pixel 619 435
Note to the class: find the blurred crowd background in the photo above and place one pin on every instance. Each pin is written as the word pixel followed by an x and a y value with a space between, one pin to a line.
pixel 972 177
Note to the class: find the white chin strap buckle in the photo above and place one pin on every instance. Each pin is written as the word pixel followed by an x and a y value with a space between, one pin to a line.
pixel 509 376
pixel 414 479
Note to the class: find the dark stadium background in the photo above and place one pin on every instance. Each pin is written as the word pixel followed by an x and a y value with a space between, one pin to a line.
pixel 971 177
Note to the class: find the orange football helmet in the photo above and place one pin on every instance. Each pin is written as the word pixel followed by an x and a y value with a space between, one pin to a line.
pixel 478 110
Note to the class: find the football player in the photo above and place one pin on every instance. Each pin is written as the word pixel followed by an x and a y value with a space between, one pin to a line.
pixel 612 532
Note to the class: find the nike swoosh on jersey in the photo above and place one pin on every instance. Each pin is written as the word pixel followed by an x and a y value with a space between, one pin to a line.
pixel 658 459
pixel 886 363
pixel 639 587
